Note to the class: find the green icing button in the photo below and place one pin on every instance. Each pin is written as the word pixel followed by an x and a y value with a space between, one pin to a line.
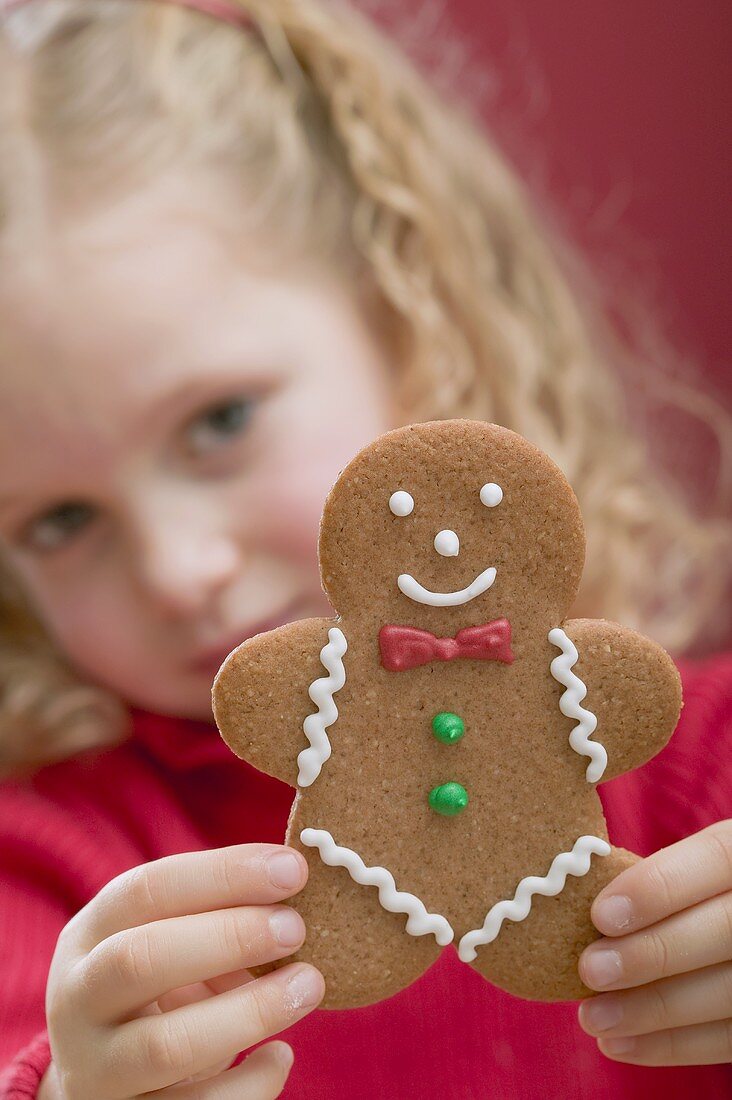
pixel 447 727
pixel 448 799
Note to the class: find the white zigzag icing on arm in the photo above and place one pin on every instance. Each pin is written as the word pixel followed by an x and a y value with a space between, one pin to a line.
pixel 569 704
pixel 311 760
pixel 420 922
pixel 576 862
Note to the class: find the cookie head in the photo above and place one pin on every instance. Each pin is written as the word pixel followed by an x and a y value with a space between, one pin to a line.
pixel 450 524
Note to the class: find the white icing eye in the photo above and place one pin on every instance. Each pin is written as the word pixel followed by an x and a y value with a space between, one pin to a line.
pixel 447 543
pixel 401 503
pixel 491 494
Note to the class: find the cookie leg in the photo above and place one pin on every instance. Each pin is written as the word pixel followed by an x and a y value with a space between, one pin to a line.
pixel 363 951
pixel 537 958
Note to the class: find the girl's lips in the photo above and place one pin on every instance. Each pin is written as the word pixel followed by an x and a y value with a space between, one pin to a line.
pixel 209 661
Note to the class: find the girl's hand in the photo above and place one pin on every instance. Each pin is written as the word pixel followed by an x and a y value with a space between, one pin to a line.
pixel 669 919
pixel 147 989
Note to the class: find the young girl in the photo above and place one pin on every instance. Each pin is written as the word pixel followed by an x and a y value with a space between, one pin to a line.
pixel 236 243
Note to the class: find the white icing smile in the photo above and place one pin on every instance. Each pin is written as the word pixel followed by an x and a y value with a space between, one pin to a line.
pixel 415 591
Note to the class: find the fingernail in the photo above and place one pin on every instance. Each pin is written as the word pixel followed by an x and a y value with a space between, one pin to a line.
pixel 613 914
pixel 601 967
pixel 304 989
pixel 622 1045
pixel 287 927
pixel 285 1054
pixel 284 870
pixel 600 1014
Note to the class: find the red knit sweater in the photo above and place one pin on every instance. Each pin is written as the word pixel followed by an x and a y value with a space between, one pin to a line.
pixel 175 787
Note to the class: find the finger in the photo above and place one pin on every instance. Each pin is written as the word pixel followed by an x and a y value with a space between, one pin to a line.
pixel 154 1052
pixel 698 998
pixel 668 881
pixel 193 882
pixel 260 1077
pixel 222 983
pixel 699 1045
pixel 198 991
pixel 698 937
pixel 130 969
pixel 175 998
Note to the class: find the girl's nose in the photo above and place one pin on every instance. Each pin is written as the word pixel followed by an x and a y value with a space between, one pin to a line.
pixel 184 570
pixel 447 543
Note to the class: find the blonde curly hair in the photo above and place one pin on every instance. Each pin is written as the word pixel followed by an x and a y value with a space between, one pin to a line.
pixel 342 147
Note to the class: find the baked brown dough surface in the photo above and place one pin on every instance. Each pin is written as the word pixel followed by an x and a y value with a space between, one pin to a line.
pixel 528 795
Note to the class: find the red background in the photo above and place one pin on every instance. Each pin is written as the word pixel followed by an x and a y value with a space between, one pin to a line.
pixel 618 109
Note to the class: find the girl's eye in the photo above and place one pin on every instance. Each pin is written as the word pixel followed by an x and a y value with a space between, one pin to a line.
pixel 58 526
pixel 218 425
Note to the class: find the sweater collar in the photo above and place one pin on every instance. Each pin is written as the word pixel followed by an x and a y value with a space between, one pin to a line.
pixel 179 743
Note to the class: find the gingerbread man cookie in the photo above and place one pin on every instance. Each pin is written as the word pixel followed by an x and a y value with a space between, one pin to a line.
pixel 447 731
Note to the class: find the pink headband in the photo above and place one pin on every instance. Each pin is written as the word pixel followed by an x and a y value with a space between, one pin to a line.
pixel 217 9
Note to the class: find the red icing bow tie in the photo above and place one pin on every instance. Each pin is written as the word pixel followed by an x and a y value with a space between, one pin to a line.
pixel 404 647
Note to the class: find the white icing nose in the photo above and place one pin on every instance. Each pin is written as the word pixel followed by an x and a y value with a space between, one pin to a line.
pixel 447 543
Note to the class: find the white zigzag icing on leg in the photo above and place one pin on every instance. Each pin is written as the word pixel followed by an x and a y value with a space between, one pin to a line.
pixel 420 922
pixel 569 704
pixel 311 760
pixel 576 862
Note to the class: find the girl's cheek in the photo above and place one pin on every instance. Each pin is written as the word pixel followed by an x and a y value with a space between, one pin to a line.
pixel 287 493
pixel 288 516
pixel 87 615
pixel 302 464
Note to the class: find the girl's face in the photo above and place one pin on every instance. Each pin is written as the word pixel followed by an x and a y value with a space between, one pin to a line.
pixel 171 419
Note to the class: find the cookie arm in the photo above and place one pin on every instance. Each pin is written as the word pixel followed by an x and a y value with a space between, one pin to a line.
pixel 633 688
pixel 260 695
